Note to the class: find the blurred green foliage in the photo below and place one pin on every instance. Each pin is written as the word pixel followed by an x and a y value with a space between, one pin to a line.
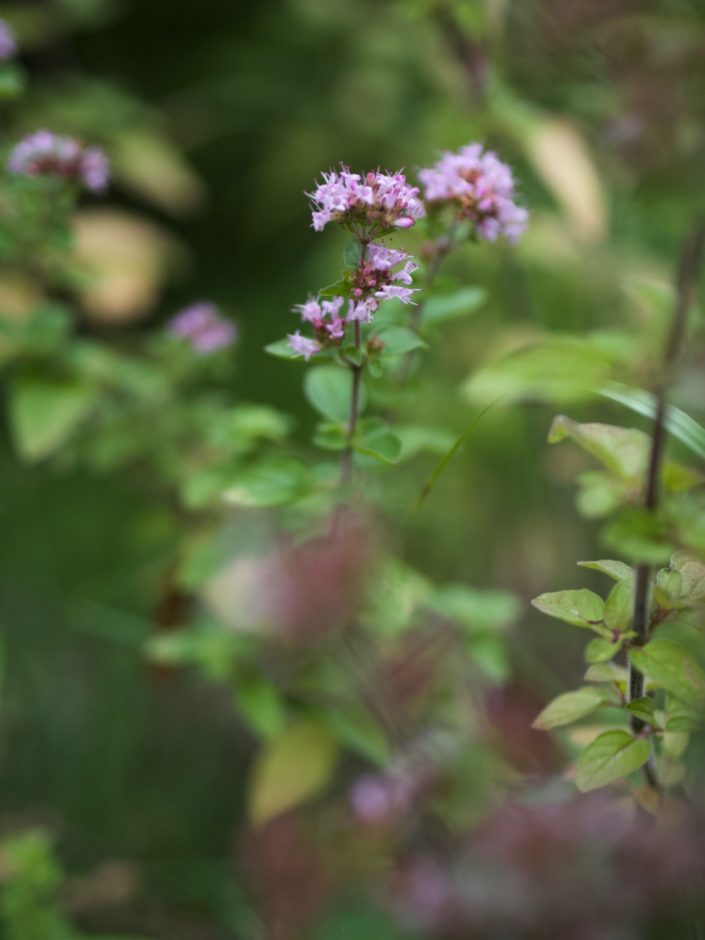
pixel 217 119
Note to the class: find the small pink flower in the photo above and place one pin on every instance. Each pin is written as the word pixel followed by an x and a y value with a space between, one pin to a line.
pixel 8 43
pixel 362 310
pixel 481 189
pixel 203 327
pixel 372 203
pixel 303 346
pixel 394 292
pixel 47 154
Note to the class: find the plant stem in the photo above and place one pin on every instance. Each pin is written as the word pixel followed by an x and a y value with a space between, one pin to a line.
pixel 686 282
pixel 346 466
pixel 356 370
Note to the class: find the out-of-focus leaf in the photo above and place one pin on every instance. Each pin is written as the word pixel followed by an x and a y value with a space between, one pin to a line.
pixel 291 768
pixel 672 668
pixel 45 411
pixel 359 730
pixel 681 716
pixel 127 261
pixel 150 165
pixel 379 441
pixel 624 451
pixel 442 307
pixel 12 81
pixel 490 655
pixel 557 370
pixel 478 610
pixel 569 707
pixel 692 574
pixel 561 157
pixel 328 389
pixel 394 596
pixel 611 756
pixel 678 423
pixel 399 340
pixel 273 482
pixel 416 439
pixel 281 350
pixel 260 703
pixel 640 536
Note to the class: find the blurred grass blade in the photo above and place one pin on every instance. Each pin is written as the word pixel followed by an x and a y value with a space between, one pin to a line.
pixel 679 424
pixel 447 457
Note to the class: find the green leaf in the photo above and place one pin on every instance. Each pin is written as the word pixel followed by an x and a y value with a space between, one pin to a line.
pixel 643 708
pixel 600 650
pixel 692 573
pixel 611 756
pixel 328 389
pixel 12 82
pixel 444 307
pixel 352 253
pixel 269 483
pixel 380 442
pixel 558 370
pixel 582 608
pixel 672 668
pixel 281 350
pixel 260 703
pixel 480 611
pixel 640 535
pixel 416 439
pixel 607 672
pixel 680 716
pixel 331 435
pixel 569 707
pixel 489 653
pixel 293 767
pixel 618 606
pixel 45 411
pixel 678 423
pixel 624 451
pixel 399 340
pixel 617 570
pixel 667 588
pixel 360 731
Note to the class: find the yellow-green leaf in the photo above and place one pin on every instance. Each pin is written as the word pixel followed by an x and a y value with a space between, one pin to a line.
pixel 569 707
pixel 291 768
pixel 581 608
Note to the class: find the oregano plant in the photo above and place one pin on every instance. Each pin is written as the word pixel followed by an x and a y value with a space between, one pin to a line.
pixel 638 663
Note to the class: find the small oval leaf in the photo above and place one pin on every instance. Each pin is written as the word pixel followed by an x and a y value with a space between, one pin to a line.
pixel 291 768
pixel 569 707
pixel 611 756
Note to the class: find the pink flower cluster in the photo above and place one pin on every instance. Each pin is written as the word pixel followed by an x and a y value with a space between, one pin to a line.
pixel 369 204
pixel 203 327
pixel 382 274
pixel 8 43
pixel 47 154
pixel 481 188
